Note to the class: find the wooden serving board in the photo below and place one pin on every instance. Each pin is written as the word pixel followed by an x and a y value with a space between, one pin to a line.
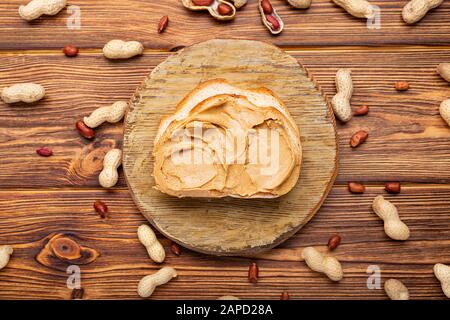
pixel 231 226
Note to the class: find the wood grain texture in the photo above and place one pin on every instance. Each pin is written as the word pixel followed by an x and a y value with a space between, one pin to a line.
pixel 211 229
pixel 123 260
pixel 323 24
pixel 408 140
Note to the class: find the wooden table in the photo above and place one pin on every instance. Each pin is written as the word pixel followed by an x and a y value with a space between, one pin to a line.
pixel 42 197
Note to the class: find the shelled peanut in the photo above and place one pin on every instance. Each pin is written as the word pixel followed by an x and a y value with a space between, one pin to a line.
pixel 357 8
pixel 415 10
pixel 270 17
pixel 5 253
pixel 23 92
pixel 394 227
pixel 112 114
pixel 149 283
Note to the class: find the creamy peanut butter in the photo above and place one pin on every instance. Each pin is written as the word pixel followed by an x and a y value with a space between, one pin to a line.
pixel 228 146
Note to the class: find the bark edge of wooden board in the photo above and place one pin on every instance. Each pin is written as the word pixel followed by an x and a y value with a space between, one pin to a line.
pixel 231 226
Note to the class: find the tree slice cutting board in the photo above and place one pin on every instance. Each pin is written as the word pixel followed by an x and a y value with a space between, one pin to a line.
pixel 230 226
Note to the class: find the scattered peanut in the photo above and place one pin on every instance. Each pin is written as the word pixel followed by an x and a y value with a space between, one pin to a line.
pixel 444 70
pixel 202 2
pixel 444 110
pixel 109 175
pixel 253 271
pixel 393 226
pixel 239 3
pixel 357 8
pixel 154 248
pixel 355 187
pixel 227 298
pixel 84 130
pixel 70 51
pixel 284 295
pixel 36 8
pixel 319 262
pixel 401 86
pixel 101 208
pixel 334 242
pixel 23 92
pixel 5 253
pixel 442 273
pixel 396 290
pixel 44 152
pixel 224 9
pixel 163 22
pixel 415 10
pixel 392 187
pixel 175 248
pixel 341 101
pixel 119 49
pixel 361 111
pixel 149 283
pixel 358 138
pixel 112 114
pixel 300 4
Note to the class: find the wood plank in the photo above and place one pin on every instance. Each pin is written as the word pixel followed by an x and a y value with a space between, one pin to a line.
pixel 408 141
pixel 28 217
pixel 323 24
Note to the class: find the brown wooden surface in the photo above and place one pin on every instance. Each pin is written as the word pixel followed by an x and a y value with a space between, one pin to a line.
pixel 244 64
pixel 43 197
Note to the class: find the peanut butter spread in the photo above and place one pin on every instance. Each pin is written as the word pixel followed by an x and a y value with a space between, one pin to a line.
pixel 228 146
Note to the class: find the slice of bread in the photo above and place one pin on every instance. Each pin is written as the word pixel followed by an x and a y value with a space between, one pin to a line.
pixel 247 117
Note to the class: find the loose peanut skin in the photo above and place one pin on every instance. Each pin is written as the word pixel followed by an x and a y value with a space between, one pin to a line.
pixel 341 101
pixel 393 226
pixel 444 70
pixel 149 283
pixel 111 114
pixel 36 8
pixel 119 49
pixel 357 8
pixel 109 175
pixel 442 273
pixel 415 10
pixel 396 290
pixel 5 253
pixel 319 262
pixel 148 239
pixel 23 92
